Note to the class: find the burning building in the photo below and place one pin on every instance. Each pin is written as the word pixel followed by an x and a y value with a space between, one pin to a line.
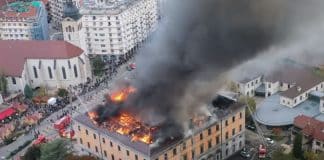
pixel 116 133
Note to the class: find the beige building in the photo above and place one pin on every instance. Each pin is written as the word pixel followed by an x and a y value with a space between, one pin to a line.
pixel 58 8
pixel 52 64
pixel 212 137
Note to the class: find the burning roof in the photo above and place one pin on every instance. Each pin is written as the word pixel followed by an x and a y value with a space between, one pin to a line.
pixel 120 123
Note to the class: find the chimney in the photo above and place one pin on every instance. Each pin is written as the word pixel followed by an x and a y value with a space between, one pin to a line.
pixel 299 89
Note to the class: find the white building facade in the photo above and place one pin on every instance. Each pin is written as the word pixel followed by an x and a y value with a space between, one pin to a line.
pixel 57 9
pixel 247 87
pixel 53 64
pixel 112 28
pixel 24 21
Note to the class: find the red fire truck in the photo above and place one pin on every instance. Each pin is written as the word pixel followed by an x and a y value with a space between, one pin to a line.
pixel 62 123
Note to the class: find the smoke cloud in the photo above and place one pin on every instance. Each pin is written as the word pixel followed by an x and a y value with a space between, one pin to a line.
pixel 187 59
pixel 200 43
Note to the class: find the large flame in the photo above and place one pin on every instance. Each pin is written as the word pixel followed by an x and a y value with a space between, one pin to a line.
pixel 126 124
pixel 122 95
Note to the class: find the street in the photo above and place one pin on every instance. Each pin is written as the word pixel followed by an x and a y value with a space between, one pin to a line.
pixel 46 127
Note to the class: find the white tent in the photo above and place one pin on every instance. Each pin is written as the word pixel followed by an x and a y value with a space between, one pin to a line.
pixel 52 101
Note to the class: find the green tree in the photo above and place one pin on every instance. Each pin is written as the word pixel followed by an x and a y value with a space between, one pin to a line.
pixel 250 103
pixel 28 92
pixel 57 149
pixel 77 157
pixel 297 148
pixel 98 66
pixel 309 155
pixel 233 87
pixel 33 153
pixel 62 92
pixel 41 91
pixel 279 155
pixel 3 84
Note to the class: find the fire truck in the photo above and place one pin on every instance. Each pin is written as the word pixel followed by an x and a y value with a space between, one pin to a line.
pixel 63 127
pixel 262 150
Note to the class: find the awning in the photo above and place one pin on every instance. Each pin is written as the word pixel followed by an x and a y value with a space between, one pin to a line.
pixel 51 101
pixel 6 113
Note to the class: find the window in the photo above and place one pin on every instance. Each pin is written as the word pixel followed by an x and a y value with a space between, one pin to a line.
pixel 118 148
pixel 64 73
pixel 217 140
pixel 240 127
pixel 217 127
pixel 103 140
pixel 201 149
pixel 88 145
pixel 105 153
pixel 233 131
pixel 184 146
pixel 226 123
pixel 318 143
pixel 233 118
pixel 94 136
pixel 112 157
pixel 201 136
pixel 96 148
pixel 69 37
pixel 13 80
pixel 226 135
pixel 209 131
pixel 50 75
pixel 174 151
pixel 209 144
pixel 240 114
pixel 269 85
pixel 35 72
pixel 75 71
pixel 79 128
pixel 111 144
pixel 87 132
pixel 226 152
pixel 81 141
pixel 136 157
pixel 184 157
pixel 127 152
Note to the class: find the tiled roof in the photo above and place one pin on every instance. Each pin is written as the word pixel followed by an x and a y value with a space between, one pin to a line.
pixel 310 126
pixel 15 52
pixel 32 12
pixel 302 77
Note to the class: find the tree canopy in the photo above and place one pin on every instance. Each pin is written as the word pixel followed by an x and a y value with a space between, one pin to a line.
pixel 28 92
pixel 98 66
pixel 57 149
pixel 297 148
pixel 32 153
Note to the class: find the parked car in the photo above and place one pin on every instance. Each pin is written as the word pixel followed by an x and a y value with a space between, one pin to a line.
pixel 131 66
pixel 244 153
pixel 251 127
pixel 269 140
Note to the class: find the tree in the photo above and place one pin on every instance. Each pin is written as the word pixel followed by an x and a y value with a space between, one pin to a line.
pixel 28 92
pixel 3 84
pixel 233 87
pixel 297 148
pixel 62 92
pixel 279 155
pixel 309 155
pixel 41 91
pixel 98 66
pixel 33 153
pixel 250 103
pixel 77 157
pixel 57 149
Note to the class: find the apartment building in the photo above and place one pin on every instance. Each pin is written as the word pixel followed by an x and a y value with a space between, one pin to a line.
pixel 52 64
pixel 112 28
pixel 58 9
pixel 248 86
pixel 213 137
pixel 24 21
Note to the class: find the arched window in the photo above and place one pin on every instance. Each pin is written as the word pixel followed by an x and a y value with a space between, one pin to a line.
pixel 64 73
pixel 70 29
pixel 75 71
pixel 50 72
pixel 35 72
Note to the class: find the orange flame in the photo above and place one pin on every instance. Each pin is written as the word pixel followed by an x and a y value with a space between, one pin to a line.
pixel 127 124
pixel 121 96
